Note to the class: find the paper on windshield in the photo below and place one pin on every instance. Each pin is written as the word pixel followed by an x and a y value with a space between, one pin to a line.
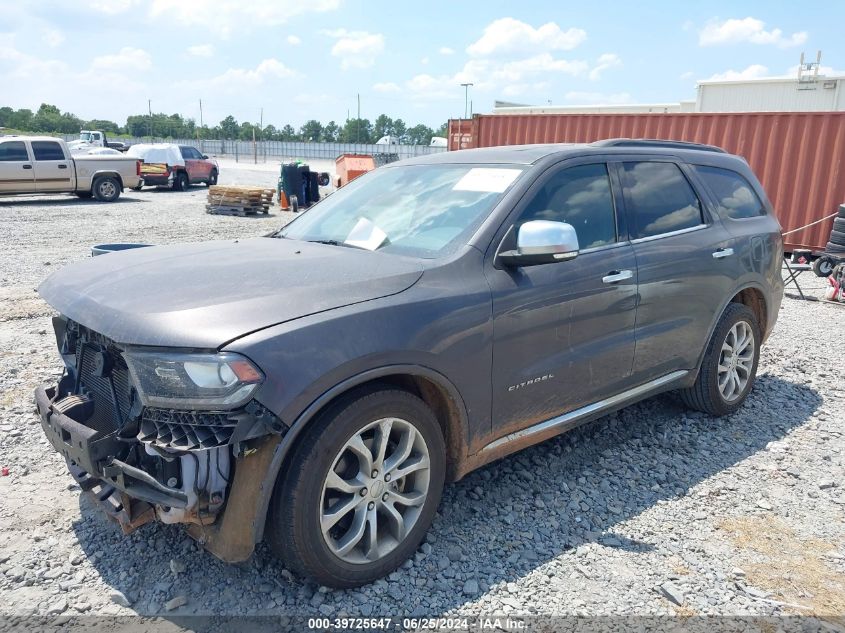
pixel 487 179
pixel 365 234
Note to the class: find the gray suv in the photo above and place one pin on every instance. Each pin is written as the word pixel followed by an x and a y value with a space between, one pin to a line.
pixel 318 386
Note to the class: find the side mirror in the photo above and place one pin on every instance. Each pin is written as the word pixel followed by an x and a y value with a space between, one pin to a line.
pixel 542 242
pixel 205 156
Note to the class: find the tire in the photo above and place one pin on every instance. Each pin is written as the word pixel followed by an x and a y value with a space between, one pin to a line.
pixel 705 395
pixel 212 178
pixel 837 237
pixel 294 204
pixel 302 494
pixel 839 224
pixel 823 266
pixel 106 189
pixel 85 195
pixel 841 212
pixel 834 249
pixel 180 182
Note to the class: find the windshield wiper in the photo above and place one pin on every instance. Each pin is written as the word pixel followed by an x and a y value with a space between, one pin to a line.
pixel 335 243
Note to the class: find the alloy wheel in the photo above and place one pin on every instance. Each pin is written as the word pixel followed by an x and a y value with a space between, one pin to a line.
pixel 736 361
pixel 374 491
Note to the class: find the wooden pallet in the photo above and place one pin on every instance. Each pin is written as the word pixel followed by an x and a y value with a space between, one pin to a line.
pixel 239 200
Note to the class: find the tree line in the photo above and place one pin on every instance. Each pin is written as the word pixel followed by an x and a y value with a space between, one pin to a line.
pixel 50 120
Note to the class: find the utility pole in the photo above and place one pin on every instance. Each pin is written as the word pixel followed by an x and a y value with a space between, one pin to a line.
pixel 150 110
pixel 202 145
pixel 358 122
pixel 466 97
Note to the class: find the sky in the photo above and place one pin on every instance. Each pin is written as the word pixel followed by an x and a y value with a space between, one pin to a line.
pixel 311 59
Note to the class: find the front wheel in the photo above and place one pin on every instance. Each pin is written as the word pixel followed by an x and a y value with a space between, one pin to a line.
pixel 823 266
pixel 361 489
pixel 212 178
pixel 106 189
pixel 730 364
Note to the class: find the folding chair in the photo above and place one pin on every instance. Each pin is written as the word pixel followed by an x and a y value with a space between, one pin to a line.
pixel 793 271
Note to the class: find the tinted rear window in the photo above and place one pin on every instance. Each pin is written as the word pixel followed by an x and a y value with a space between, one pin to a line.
pixel 13 150
pixel 47 150
pixel 734 194
pixel 660 198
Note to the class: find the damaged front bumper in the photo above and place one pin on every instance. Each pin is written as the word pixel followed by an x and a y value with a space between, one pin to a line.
pixel 144 464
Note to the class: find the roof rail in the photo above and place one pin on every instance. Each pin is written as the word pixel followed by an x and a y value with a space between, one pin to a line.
pixel 648 142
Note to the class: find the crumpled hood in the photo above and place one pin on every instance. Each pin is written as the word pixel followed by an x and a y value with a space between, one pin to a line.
pixel 205 294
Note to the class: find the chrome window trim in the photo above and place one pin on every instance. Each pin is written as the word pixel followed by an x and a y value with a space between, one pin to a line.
pixel 660 236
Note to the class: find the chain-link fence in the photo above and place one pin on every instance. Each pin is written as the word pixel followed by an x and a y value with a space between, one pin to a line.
pixel 264 151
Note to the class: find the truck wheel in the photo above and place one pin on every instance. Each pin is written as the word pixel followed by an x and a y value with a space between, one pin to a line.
pixel 106 189
pixel 730 364
pixel 823 266
pixel 360 490
pixel 180 183
pixel 212 178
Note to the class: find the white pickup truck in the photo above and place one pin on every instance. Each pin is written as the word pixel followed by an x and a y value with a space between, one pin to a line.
pixel 43 164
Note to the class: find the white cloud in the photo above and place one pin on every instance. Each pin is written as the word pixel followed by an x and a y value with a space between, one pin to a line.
pixel 748 29
pixel 53 37
pixel 235 80
pixel 222 17
pixel 608 60
pixel 517 90
pixel 387 87
pixel 754 71
pixel 293 40
pixel 201 50
pixel 508 35
pixel 598 98
pixel 687 75
pixel 356 49
pixel 445 50
pixel 127 60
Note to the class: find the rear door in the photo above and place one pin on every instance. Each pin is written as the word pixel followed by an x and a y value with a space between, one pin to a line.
pixel 16 173
pixel 53 171
pixel 564 332
pixel 683 261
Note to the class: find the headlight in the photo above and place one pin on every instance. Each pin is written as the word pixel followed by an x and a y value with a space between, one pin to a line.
pixel 193 381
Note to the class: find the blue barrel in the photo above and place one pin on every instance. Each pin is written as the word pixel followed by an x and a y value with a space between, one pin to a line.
pixel 102 249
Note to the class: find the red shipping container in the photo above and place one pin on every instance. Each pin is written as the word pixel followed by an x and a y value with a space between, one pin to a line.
pixel 796 155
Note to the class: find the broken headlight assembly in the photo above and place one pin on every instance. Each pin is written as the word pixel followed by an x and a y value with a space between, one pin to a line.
pixel 193 381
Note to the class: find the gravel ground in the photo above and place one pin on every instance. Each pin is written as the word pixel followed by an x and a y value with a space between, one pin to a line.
pixel 654 510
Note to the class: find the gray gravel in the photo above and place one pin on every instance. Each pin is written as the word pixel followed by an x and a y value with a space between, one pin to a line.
pixel 653 510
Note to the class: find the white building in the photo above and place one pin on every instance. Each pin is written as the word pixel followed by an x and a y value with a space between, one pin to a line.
pixel 802 93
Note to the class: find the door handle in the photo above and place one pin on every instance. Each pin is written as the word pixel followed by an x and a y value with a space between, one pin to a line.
pixel 722 253
pixel 27 166
pixel 616 275
pixel 62 166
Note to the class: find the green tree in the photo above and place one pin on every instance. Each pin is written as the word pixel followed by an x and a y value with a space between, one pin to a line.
pixel 109 127
pixel 311 131
pixel 331 132
pixel 357 131
pixel 383 126
pixel 288 133
pixel 400 130
pixel 420 135
pixel 229 127
pixel 443 130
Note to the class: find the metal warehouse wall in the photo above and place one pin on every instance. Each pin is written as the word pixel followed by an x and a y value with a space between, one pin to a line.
pixel 796 155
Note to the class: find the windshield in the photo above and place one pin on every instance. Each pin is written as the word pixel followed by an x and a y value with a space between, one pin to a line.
pixel 417 210
pixel 85 136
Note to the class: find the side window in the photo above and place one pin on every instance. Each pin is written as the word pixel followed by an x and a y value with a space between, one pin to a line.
pixel 736 196
pixel 47 150
pixel 660 198
pixel 196 153
pixel 13 151
pixel 186 152
pixel 582 197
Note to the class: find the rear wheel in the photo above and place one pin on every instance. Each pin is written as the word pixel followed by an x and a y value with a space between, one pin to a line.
pixel 730 364
pixel 180 182
pixel 823 266
pixel 106 189
pixel 361 489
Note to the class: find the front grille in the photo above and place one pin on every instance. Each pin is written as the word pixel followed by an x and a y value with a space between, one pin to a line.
pixel 186 430
pixel 109 413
